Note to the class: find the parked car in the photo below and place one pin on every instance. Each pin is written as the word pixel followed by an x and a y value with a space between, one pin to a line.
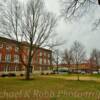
pixel 83 72
pixel 95 72
pixel 60 71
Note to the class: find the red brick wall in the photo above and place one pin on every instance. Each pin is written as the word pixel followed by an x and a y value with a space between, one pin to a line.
pixel 24 53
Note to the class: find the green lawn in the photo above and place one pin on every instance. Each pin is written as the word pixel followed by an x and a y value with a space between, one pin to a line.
pixel 88 77
pixel 48 88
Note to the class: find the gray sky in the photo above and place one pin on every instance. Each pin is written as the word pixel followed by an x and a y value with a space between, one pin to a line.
pixel 80 30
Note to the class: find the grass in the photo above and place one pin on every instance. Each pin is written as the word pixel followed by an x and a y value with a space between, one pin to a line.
pixel 88 77
pixel 48 88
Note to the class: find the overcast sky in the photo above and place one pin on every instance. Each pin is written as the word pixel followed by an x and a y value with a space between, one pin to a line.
pixel 80 30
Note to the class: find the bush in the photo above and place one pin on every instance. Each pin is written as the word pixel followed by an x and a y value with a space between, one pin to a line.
pixel 42 73
pixel 4 75
pixel 11 75
pixel 47 73
pixel 21 74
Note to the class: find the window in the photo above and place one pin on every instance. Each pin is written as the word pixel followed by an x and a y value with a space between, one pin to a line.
pixel 16 49
pixel 48 62
pixel 8 58
pixel 40 61
pixel 7 48
pixel 48 55
pixel 17 68
pixel 44 61
pixel 24 58
pixel 5 68
pixel 11 68
pixel 40 53
pixel 1 46
pixel 16 58
pixel 36 60
pixel 45 54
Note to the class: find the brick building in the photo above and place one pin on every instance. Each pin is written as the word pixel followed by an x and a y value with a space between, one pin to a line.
pixel 10 60
pixel 87 66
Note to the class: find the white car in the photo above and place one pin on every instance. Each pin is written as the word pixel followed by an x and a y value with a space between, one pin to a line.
pixel 95 72
pixel 83 72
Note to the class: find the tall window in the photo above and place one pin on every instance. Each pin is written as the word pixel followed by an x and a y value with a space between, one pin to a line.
pixel 40 53
pixel 24 58
pixel 40 61
pixel 45 54
pixel 16 58
pixel 48 55
pixel 8 58
pixel 48 61
pixel 44 61
pixel 1 46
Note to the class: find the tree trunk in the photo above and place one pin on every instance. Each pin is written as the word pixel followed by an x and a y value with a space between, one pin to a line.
pixel 27 72
pixel 78 73
pixel 29 65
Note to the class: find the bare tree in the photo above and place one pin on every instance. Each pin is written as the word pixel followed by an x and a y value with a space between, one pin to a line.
pixel 78 53
pixel 31 23
pixel 56 58
pixel 95 59
pixel 74 7
pixel 67 57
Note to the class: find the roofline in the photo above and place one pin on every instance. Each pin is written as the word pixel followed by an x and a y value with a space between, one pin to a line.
pixel 4 39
